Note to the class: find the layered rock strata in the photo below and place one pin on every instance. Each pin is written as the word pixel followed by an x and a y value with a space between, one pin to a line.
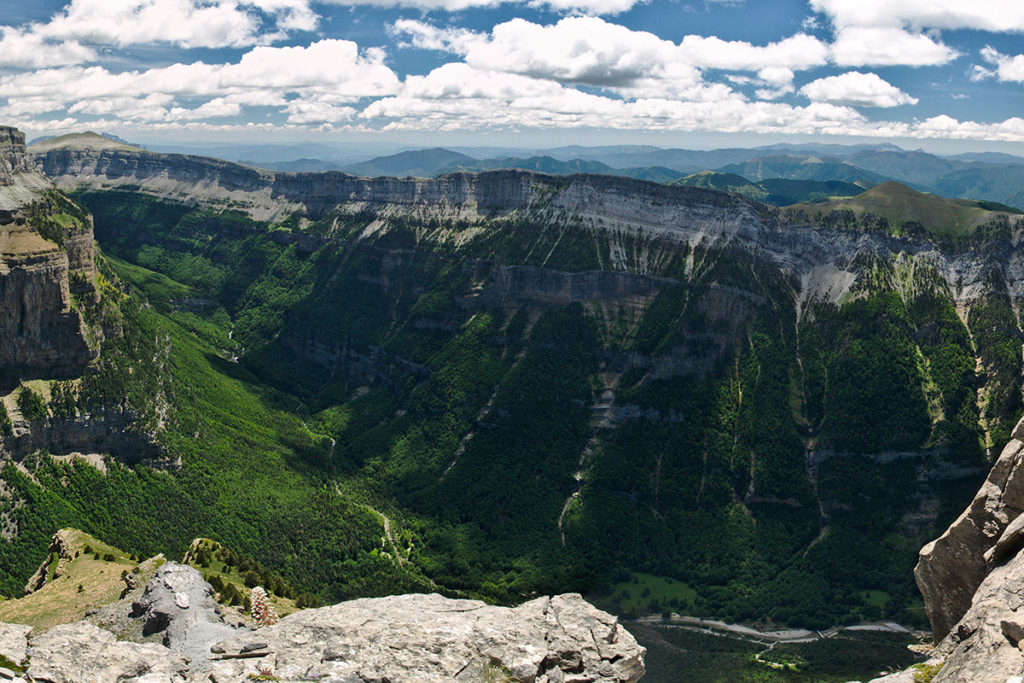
pixel 617 210
pixel 42 332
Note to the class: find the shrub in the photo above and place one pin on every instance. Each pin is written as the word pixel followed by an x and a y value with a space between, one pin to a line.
pixel 6 427
pixel 31 404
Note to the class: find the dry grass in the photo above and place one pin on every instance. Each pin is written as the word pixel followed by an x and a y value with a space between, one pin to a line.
pixel 19 243
pixel 61 601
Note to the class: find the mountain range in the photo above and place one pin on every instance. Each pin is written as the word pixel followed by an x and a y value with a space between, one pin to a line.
pixel 989 177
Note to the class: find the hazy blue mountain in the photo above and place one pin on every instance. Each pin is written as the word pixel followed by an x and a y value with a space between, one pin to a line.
pixel 800 167
pixel 543 164
pixel 776 191
pixel 913 167
pixel 338 153
pixel 296 165
pixel 989 157
pixel 418 162
pixel 985 181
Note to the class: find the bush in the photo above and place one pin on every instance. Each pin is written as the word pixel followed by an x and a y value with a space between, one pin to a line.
pixel 305 600
pixel 6 428
pixel 31 404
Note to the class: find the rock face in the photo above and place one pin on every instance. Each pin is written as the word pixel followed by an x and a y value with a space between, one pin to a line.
pixel 428 638
pixel 406 638
pixel 84 652
pixel 953 566
pixel 972 579
pixel 40 328
pixel 14 642
pixel 179 604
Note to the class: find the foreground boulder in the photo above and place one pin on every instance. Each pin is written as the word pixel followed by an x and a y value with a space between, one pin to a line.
pixel 402 639
pixel 429 638
pixel 85 652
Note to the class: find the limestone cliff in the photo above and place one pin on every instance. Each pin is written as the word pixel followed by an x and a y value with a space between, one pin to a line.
pixel 46 261
pixel 640 222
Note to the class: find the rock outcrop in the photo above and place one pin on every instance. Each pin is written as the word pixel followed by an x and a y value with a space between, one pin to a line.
pixel 953 566
pixel 179 605
pixel 406 638
pixel 972 579
pixel 45 254
pixel 428 638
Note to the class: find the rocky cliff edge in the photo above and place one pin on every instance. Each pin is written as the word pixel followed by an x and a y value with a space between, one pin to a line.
pixel 183 638
pixel 972 579
pixel 46 259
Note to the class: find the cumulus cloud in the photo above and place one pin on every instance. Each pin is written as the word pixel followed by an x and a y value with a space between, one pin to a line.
pixel 881 46
pixel 27 50
pixel 591 51
pixel 592 7
pixel 1005 67
pixel 188 23
pixel 797 52
pixel 882 32
pixel 985 15
pixel 578 50
pixel 325 66
pixel 856 89
pixel 183 23
pixel 320 77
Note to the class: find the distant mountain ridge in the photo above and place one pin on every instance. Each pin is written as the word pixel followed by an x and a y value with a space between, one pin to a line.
pixel 419 163
pixel 899 205
pixel 775 191
pixel 991 176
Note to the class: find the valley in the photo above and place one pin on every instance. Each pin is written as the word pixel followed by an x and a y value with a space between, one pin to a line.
pixel 506 384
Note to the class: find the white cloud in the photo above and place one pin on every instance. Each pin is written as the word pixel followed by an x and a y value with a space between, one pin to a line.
pixel 188 23
pixel 856 89
pixel 308 84
pixel 594 52
pixel 150 108
pixel 873 46
pixel 27 50
pixel 183 23
pixel 578 50
pixel 591 7
pixel 797 52
pixel 429 37
pixel 334 66
pixel 215 108
pixel 319 111
pixel 1007 67
pixel 905 32
pixel 985 15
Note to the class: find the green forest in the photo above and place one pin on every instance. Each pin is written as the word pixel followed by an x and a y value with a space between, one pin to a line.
pixel 767 457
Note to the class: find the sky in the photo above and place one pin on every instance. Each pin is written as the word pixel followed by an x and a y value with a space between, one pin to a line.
pixel 936 74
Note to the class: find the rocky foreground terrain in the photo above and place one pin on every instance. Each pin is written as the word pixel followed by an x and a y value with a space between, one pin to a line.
pixel 172 631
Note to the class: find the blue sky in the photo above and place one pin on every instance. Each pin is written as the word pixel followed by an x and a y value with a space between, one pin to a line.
pixel 946 75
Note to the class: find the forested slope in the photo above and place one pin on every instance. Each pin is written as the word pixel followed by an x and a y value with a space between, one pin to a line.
pixel 550 387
